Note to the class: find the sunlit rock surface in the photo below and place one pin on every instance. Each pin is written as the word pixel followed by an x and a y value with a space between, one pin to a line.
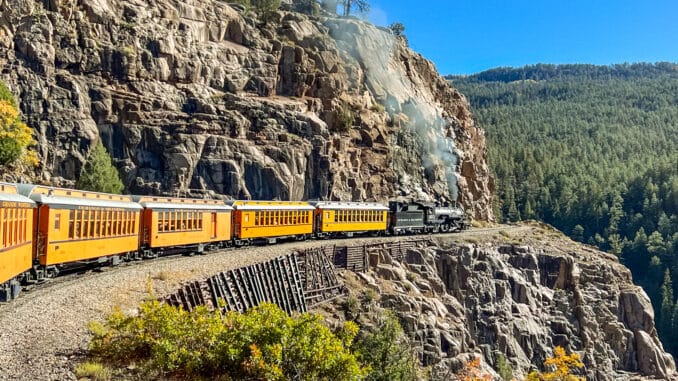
pixel 195 97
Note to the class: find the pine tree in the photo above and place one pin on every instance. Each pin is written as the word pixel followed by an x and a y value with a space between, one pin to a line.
pixel 666 312
pixel 655 245
pixel 578 233
pixel 99 174
pixel 361 6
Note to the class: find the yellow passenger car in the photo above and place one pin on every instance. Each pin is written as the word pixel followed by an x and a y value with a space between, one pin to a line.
pixel 271 220
pixel 183 224
pixel 16 226
pixel 347 218
pixel 81 226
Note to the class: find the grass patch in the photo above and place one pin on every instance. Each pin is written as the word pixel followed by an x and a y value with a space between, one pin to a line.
pixel 177 276
pixel 376 107
pixel 93 371
pixel 352 307
pixel 370 296
pixel 478 223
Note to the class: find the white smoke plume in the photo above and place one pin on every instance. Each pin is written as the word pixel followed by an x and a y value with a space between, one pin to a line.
pixel 393 84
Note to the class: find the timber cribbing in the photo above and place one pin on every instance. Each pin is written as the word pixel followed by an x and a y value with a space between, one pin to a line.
pixel 295 282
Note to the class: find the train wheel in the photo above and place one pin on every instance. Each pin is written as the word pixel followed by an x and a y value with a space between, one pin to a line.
pixel 51 272
pixel 445 228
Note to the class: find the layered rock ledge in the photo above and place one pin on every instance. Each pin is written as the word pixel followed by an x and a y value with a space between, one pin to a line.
pixel 518 300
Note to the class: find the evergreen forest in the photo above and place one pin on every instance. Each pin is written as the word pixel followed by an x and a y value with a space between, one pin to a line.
pixel 593 151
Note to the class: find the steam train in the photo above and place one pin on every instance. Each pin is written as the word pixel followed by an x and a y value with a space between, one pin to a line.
pixel 47 229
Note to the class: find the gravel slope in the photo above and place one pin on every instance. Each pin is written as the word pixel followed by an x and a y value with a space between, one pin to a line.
pixel 43 334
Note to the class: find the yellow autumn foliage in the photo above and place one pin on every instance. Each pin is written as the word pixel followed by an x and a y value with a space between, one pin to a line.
pixel 561 365
pixel 15 137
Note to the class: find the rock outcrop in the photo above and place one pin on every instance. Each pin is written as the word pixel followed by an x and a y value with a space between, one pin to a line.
pixel 195 97
pixel 458 300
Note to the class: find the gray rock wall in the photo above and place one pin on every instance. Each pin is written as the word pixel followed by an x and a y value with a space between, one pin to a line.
pixel 195 97
pixel 521 302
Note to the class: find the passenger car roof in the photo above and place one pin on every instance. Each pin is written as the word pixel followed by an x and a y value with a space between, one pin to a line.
pixel 54 196
pixel 349 205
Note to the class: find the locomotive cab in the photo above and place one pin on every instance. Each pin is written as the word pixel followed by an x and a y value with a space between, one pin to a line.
pixel 407 218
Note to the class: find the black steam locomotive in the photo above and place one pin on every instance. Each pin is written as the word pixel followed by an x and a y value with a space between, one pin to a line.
pixel 422 217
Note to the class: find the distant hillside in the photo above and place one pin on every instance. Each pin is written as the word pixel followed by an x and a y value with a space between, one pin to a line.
pixel 540 72
pixel 593 151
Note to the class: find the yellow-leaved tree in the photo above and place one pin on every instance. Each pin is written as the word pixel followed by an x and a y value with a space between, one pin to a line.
pixel 473 372
pixel 15 136
pixel 561 365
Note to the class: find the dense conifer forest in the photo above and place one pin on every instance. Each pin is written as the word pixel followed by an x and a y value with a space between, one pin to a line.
pixel 592 150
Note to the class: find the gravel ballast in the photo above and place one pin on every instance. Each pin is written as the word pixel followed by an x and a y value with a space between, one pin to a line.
pixel 43 334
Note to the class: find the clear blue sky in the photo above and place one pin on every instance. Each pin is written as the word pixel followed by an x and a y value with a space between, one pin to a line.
pixel 465 37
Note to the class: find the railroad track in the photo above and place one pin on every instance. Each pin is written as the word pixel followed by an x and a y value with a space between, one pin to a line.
pixel 76 274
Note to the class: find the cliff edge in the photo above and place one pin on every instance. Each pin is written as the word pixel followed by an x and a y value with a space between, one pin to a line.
pixel 516 292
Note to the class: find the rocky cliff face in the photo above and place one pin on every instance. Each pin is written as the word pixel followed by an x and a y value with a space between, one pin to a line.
pixel 197 97
pixel 520 300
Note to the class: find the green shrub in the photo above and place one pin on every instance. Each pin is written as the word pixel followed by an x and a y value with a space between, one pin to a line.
pixel 263 343
pixel 99 174
pixel 504 368
pixel 265 8
pixel 309 7
pixel 10 150
pixel 387 351
pixel 369 296
pixel 346 117
pixel 352 307
pixel 6 95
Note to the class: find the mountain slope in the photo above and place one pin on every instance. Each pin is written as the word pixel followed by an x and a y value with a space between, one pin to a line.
pixel 591 150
